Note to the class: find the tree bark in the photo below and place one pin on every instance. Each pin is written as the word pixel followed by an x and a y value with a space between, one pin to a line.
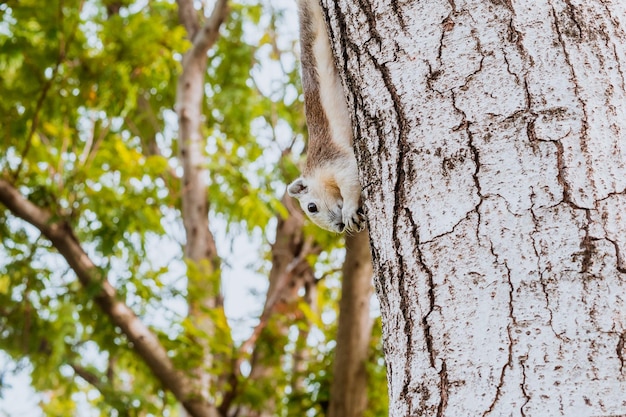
pixel 200 245
pixel 348 392
pixel 491 143
pixel 203 275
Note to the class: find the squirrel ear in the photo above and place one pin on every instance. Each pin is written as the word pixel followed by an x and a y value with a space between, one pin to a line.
pixel 297 188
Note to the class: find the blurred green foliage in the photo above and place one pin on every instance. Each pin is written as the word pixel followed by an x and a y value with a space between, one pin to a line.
pixel 87 130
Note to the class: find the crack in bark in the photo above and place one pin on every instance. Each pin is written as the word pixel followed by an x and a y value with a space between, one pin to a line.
pixel 612 194
pixel 530 124
pixel 544 290
pixel 431 290
pixel 465 218
pixel 443 390
pixel 620 349
pixel 447 25
pixel 399 191
pixel 571 13
pixel 404 309
pixel 469 77
pixel 466 125
pixel 560 175
pixel 348 80
pixel 620 71
pixel 542 280
pixel 508 69
pixel 401 122
pixel 452 4
pixel 523 385
pixel 366 8
pixel 618 255
pixel 509 363
pixel 397 11
pixel 584 133
pixel 530 130
pixel 433 75
pixel 476 157
pixel 517 38
pixel 428 339
pixel 621 35
pixel 587 245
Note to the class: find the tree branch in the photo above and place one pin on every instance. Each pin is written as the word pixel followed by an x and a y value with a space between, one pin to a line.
pixel 200 250
pixel 88 376
pixel 202 39
pixel 188 17
pixel 206 38
pixel 145 343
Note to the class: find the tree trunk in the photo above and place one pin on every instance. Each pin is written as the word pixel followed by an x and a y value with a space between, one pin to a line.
pixel 200 248
pixel 348 392
pixel 491 139
pixel 289 274
pixel 203 275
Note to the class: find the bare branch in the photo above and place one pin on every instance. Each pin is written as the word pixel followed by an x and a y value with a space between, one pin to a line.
pixel 188 17
pixel 204 39
pixel 200 249
pixel 88 376
pixel 145 343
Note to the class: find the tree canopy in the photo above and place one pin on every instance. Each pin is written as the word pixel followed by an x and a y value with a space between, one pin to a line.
pixel 88 135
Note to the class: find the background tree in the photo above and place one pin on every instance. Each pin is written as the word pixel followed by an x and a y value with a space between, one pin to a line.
pixel 491 141
pixel 349 386
pixel 97 175
pixel 203 287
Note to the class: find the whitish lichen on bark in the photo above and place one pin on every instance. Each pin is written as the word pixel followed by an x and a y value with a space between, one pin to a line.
pixel 490 137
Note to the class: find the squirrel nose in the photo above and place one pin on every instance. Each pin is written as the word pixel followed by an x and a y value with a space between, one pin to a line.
pixel 341 227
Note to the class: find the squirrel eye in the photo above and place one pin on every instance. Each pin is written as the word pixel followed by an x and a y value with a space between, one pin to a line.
pixel 312 208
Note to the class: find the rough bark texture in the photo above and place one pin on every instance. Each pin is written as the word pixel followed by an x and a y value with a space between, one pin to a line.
pixel 200 252
pixel 491 139
pixel 348 392
pixel 200 246
pixel 145 343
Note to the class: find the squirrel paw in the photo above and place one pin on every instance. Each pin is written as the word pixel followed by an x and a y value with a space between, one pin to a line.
pixel 353 219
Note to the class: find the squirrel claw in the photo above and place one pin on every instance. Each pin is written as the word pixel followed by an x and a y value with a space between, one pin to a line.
pixel 354 220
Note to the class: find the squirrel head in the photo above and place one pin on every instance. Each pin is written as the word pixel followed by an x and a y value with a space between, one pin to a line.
pixel 321 201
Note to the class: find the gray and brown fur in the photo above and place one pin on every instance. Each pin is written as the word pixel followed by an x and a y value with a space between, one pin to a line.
pixel 321 146
pixel 329 189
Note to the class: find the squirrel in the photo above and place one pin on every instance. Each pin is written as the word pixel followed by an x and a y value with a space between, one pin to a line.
pixel 329 191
